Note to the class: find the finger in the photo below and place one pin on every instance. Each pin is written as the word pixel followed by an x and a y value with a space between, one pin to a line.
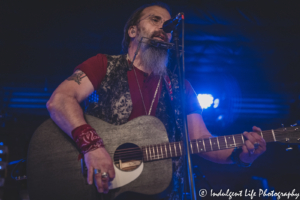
pixel 105 184
pixel 250 137
pixel 256 129
pixel 245 150
pixel 90 175
pixel 258 135
pixel 261 142
pixel 111 174
pixel 98 182
pixel 250 147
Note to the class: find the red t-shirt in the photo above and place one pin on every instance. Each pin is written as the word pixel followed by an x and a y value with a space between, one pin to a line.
pixel 95 68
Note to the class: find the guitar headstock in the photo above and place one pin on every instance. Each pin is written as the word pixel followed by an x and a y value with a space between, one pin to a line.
pixel 288 135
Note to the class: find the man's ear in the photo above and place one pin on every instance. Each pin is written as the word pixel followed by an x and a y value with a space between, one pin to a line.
pixel 132 31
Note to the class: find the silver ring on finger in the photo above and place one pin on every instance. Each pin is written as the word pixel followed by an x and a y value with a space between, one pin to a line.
pixel 104 175
pixel 97 171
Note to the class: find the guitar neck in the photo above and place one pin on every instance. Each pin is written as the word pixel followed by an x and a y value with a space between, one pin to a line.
pixel 175 149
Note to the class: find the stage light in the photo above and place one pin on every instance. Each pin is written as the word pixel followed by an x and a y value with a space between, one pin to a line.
pixel 220 117
pixel 3 165
pixel 216 103
pixel 3 149
pixel 205 100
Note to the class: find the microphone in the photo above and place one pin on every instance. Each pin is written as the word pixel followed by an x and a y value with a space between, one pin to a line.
pixel 171 24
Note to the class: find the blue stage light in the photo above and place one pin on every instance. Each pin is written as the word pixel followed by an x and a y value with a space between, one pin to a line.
pixel 205 100
pixel 220 117
pixel 216 103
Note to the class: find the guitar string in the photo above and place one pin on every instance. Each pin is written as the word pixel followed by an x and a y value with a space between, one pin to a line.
pixel 194 141
pixel 164 153
pixel 160 155
pixel 119 152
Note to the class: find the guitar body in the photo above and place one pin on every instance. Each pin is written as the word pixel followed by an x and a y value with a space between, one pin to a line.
pixel 54 171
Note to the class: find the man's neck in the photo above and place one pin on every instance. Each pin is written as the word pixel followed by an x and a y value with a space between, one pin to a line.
pixel 131 52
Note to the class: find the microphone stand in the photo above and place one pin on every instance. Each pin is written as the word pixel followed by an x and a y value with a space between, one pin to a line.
pixel 184 118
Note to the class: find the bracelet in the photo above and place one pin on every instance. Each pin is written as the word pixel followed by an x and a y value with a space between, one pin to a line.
pixel 86 138
pixel 235 157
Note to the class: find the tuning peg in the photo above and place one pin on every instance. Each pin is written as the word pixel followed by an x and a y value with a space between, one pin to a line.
pixel 287 139
pixel 294 125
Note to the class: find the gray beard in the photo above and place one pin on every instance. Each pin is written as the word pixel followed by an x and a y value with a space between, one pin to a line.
pixel 154 59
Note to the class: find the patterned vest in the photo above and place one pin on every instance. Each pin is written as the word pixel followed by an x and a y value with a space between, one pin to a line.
pixel 114 106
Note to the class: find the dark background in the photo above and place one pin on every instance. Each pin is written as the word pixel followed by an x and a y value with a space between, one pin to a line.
pixel 243 52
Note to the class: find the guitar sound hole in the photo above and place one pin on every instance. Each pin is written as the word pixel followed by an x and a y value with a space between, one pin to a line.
pixel 128 157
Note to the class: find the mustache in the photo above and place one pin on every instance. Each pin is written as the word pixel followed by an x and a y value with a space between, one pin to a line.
pixel 161 32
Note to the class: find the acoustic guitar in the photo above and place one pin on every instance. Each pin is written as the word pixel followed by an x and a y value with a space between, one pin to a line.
pixel 140 150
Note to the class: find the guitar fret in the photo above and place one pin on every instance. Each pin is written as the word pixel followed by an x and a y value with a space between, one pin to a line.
pixel 226 142
pixel 160 151
pixel 233 140
pixel 243 138
pixel 175 149
pixel 197 146
pixel 203 145
pixel 180 148
pixel 166 150
pixel 218 142
pixel 210 144
pixel 154 152
pixel 150 153
pixel 147 153
pixel 273 135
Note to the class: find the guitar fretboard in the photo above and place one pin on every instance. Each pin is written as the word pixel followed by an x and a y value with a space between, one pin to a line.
pixel 175 149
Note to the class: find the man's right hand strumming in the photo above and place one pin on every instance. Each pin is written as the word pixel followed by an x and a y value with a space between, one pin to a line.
pixel 66 112
pixel 98 162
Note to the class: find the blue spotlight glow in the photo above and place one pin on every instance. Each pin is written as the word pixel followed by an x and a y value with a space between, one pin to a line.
pixel 216 103
pixel 205 100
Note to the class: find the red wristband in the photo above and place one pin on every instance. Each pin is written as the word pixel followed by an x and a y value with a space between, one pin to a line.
pixel 86 138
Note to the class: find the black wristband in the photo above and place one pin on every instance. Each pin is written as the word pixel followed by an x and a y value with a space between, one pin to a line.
pixel 235 157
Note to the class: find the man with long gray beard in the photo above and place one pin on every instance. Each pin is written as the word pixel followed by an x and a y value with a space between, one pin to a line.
pixel 126 93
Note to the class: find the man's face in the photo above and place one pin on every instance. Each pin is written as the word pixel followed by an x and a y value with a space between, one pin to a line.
pixel 151 58
pixel 150 23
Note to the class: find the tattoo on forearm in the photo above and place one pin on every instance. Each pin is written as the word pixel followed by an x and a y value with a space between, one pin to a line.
pixel 77 77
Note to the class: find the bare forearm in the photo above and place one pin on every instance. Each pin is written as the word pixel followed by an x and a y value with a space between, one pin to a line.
pixel 66 112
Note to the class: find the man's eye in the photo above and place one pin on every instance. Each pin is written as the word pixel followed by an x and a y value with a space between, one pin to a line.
pixel 155 19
